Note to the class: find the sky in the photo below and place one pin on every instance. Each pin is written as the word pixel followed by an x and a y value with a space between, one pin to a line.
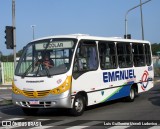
pixel 94 17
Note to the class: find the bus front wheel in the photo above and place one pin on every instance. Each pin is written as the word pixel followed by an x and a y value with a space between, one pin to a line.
pixel 78 105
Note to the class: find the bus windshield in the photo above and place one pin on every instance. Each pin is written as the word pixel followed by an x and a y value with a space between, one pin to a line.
pixel 46 57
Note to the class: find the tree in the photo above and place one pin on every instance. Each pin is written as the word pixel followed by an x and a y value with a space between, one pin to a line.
pixel 10 57
pixel 155 48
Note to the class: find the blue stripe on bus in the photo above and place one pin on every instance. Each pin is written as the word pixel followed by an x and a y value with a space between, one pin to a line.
pixel 123 92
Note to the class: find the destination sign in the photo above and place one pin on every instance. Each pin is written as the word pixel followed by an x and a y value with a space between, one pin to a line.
pixel 54 45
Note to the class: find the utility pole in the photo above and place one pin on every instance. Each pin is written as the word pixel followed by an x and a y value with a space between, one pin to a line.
pixel 33 31
pixel 14 32
pixel 127 14
pixel 142 20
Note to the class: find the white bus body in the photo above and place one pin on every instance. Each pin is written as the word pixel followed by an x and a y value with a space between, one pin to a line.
pixel 87 70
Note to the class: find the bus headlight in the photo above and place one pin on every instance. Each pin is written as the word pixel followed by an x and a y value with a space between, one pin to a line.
pixel 63 87
pixel 15 89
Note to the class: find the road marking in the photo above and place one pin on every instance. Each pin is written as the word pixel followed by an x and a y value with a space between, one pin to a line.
pixel 85 125
pixel 9 127
pixel 12 119
pixel 5 88
pixel 62 122
pixel 119 127
pixel 41 127
pixel 155 127
pixel 42 119
pixel 53 124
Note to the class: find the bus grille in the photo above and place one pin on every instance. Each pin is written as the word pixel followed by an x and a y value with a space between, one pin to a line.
pixel 40 105
pixel 36 94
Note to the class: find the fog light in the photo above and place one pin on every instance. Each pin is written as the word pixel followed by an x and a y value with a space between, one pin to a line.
pixel 54 103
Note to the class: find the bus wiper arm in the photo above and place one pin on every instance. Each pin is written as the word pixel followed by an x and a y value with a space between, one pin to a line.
pixel 48 74
pixel 24 74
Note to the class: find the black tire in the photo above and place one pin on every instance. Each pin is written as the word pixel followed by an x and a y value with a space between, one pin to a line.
pixel 30 111
pixel 132 95
pixel 78 105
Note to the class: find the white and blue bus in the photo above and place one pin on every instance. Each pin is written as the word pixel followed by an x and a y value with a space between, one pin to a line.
pixel 86 70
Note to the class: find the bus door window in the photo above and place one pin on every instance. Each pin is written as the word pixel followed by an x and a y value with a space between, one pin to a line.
pixel 86 57
pixel 92 58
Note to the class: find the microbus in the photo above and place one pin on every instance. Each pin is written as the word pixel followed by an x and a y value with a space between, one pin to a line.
pixel 86 70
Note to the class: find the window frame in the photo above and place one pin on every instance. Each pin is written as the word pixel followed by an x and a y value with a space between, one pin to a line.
pixel 78 72
pixel 125 54
pixel 148 55
pixel 138 54
pixel 115 54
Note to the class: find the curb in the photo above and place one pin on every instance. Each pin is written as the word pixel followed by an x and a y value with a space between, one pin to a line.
pixel 6 106
pixel 5 88
pixel 5 102
pixel 8 98
pixel 157 81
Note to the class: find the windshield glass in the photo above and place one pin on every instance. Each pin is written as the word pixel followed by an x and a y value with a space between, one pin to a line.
pixel 46 57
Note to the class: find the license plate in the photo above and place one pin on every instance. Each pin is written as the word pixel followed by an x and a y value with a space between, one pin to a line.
pixel 34 102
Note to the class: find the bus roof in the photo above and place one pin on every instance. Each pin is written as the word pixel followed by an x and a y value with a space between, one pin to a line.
pixel 98 38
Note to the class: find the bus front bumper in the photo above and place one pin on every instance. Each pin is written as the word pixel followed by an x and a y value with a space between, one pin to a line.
pixel 50 101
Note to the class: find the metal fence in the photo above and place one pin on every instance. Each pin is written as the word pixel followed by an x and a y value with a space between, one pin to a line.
pixel 7 72
pixel 156 64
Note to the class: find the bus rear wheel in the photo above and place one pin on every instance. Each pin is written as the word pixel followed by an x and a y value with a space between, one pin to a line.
pixel 132 94
pixel 78 105
pixel 30 111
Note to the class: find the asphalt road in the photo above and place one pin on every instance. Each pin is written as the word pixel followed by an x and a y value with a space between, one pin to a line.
pixel 146 107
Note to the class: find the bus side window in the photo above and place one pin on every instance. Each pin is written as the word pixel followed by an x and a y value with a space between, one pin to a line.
pixel 147 54
pixel 138 55
pixel 124 55
pixel 107 55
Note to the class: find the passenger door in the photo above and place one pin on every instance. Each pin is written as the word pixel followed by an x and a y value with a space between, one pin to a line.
pixel 86 76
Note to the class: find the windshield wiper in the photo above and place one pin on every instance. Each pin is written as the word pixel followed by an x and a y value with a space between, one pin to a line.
pixel 47 71
pixel 24 74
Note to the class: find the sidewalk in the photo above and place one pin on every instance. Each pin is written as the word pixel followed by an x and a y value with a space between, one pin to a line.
pixel 5 94
pixel 5 87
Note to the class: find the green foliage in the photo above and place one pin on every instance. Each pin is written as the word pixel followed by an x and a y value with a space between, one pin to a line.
pixel 10 58
pixel 155 48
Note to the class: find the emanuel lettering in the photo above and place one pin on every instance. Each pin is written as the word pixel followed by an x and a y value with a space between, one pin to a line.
pixel 118 75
